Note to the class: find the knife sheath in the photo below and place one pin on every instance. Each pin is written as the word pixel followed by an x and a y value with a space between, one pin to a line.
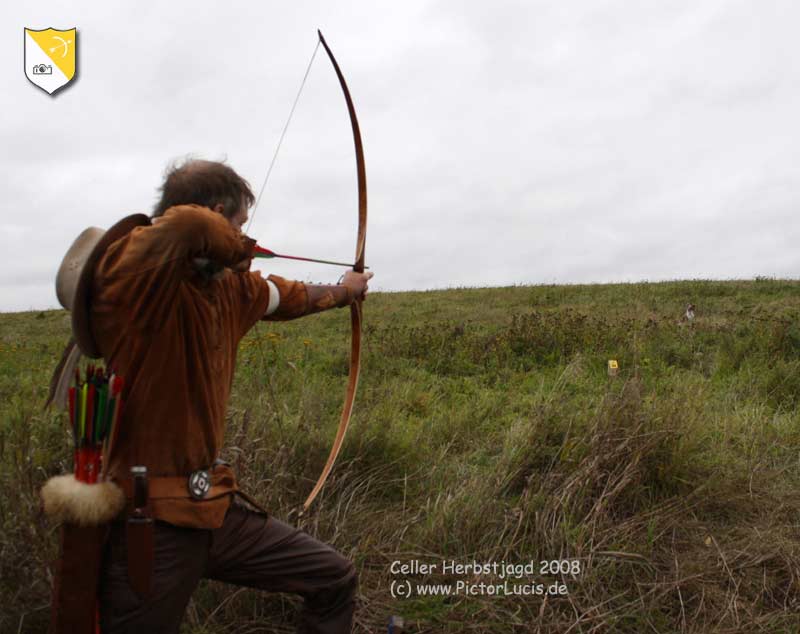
pixel 139 536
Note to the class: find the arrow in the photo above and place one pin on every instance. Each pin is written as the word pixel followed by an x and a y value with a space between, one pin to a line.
pixel 261 252
pixel 64 44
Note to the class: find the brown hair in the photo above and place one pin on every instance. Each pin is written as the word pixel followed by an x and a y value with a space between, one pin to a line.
pixel 206 183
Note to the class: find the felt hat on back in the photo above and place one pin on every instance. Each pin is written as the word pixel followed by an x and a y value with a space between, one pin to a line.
pixel 75 275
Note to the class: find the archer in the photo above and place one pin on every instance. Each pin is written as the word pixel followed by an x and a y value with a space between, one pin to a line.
pixel 170 298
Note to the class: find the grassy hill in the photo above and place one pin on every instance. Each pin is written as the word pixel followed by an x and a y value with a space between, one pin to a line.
pixel 487 429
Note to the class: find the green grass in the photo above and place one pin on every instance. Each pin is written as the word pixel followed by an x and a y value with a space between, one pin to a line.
pixel 486 429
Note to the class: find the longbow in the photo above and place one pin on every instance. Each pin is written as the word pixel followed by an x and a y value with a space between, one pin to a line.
pixel 356 308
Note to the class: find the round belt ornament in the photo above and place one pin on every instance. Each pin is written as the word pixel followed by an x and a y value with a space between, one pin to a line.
pixel 199 484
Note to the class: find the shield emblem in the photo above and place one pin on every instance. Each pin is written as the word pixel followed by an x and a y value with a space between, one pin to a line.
pixel 50 57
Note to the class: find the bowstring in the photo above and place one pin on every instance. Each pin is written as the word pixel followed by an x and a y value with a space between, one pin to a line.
pixel 258 200
pixel 280 140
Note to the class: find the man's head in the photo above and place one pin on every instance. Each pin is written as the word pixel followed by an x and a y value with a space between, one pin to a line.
pixel 207 183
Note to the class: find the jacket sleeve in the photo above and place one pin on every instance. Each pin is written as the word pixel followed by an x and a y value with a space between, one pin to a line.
pixel 292 298
pixel 144 271
pixel 297 299
pixel 199 232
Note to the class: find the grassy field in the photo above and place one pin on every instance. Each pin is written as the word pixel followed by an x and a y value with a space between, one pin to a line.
pixel 486 429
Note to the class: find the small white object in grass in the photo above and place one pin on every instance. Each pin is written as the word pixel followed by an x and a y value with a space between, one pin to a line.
pixel 613 367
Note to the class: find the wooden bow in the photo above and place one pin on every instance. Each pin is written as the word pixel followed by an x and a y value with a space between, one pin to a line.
pixel 355 307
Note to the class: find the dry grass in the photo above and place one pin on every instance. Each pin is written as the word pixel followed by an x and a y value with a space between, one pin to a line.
pixel 486 430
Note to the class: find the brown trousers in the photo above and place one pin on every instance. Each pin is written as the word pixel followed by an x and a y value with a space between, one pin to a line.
pixel 247 550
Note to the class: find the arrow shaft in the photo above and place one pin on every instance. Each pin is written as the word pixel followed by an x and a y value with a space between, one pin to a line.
pixel 270 254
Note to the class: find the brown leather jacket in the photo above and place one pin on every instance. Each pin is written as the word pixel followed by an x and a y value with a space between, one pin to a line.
pixel 172 332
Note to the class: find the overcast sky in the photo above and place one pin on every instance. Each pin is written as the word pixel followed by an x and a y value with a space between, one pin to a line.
pixel 506 142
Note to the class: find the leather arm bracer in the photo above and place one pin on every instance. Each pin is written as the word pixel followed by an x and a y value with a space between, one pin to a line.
pixel 323 297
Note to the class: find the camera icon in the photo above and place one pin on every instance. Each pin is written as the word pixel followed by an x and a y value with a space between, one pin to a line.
pixel 42 69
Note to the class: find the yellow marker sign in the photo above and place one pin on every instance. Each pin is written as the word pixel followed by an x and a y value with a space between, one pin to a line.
pixel 50 57
pixel 613 367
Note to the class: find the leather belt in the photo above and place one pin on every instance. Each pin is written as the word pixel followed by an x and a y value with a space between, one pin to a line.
pixel 200 485
pixel 178 487
pixel 203 484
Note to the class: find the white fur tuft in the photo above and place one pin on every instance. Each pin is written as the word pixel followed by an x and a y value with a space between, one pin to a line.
pixel 66 499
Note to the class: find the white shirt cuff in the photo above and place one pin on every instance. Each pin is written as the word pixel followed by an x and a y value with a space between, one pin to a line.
pixel 274 298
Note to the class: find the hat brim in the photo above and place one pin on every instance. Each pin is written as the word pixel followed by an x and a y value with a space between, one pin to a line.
pixel 71 266
pixel 81 308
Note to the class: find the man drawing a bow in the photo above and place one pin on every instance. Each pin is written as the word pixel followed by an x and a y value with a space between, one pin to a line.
pixel 168 300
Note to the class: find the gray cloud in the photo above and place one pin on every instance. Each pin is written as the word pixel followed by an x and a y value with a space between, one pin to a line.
pixel 510 142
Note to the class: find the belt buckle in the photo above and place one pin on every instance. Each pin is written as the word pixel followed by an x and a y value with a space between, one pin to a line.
pixel 199 484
